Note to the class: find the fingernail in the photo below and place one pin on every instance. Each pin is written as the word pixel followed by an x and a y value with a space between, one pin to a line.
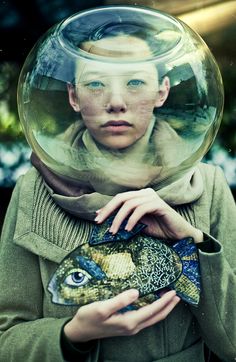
pixel 97 218
pixel 112 231
pixel 97 211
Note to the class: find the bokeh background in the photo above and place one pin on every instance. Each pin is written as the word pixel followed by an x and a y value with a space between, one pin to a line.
pixel 22 23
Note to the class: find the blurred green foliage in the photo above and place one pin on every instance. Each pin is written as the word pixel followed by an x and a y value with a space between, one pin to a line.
pixel 10 128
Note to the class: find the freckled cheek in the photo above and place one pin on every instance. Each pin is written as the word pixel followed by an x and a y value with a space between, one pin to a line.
pixel 90 106
pixel 145 107
pixel 91 118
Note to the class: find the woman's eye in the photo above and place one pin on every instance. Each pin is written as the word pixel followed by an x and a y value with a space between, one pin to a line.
pixel 77 278
pixel 135 83
pixel 95 85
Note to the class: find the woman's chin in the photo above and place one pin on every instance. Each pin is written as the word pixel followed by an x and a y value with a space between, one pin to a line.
pixel 116 143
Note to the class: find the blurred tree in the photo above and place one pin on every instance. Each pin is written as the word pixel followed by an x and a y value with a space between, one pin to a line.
pixel 9 122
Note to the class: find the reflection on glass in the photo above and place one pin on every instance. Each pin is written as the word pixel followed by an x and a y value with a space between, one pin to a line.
pixel 132 92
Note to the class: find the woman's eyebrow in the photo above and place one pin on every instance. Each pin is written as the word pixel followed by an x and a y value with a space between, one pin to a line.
pixel 87 75
pixel 93 74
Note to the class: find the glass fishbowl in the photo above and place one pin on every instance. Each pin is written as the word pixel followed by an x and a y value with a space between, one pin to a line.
pixel 126 91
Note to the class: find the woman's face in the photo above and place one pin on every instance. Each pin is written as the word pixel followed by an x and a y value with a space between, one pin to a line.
pixel 116 101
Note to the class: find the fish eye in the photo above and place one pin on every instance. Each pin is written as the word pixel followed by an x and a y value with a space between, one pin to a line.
pixel 77 278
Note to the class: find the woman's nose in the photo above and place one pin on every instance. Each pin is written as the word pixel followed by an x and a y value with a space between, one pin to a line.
pixel 116 103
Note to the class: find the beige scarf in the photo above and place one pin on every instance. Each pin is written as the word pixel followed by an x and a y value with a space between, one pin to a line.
pixel 86 176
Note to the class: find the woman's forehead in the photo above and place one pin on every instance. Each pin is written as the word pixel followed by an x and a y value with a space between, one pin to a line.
pixel 121 47
pixel 92 70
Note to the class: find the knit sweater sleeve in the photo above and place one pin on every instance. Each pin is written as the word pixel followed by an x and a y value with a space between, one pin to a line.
pixel 216 313
pixel 24 332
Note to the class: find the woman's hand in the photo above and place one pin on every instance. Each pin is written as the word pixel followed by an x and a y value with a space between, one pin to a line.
pixel 146 206
pixel 101 319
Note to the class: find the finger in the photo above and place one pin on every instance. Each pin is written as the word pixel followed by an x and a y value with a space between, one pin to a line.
pixel 125 211
pixel 146 208
pixel 119 302
pixel 161 315
pixel 132 322
pixel 116 202
pixel 143 314
pixel 137 214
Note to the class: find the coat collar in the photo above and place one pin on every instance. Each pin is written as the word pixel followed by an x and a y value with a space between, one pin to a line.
pixel 42 226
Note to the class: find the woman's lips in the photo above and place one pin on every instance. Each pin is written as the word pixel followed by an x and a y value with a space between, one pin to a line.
pixel 117 126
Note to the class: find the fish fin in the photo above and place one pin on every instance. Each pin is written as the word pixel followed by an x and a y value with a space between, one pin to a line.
pixel 188 285
pixel 102 235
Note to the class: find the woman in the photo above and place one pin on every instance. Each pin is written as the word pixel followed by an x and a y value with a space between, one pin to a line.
pixel 113 105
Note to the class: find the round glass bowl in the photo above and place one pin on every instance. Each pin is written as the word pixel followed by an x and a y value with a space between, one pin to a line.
pixel 120 88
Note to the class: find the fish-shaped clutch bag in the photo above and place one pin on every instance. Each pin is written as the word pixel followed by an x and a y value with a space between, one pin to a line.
pixel 109 264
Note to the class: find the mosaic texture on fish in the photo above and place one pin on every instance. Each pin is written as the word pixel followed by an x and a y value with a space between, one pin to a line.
pixel 109 264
